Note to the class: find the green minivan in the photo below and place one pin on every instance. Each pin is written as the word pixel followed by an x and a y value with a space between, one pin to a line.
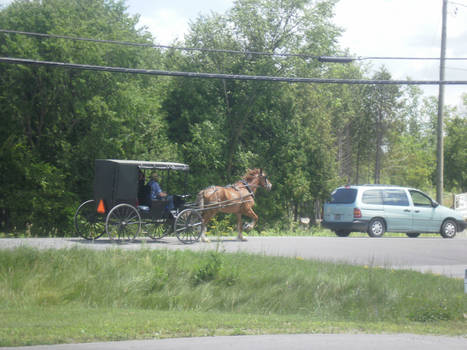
pixel 377 209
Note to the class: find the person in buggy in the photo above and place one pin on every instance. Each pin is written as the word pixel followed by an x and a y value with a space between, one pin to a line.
pixel 156 192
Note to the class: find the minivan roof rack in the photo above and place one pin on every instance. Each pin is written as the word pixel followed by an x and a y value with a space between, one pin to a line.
pixel 380 185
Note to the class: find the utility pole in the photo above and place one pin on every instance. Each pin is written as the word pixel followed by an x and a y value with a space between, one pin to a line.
pixel 440 141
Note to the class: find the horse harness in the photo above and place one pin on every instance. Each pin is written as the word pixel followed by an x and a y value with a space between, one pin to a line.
pixel 244 183
pixel 236 188
pixel 247 185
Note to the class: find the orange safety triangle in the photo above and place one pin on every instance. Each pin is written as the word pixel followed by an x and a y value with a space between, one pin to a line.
pixel 101 207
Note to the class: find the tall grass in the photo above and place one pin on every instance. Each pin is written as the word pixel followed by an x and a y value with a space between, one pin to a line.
pixel 233 283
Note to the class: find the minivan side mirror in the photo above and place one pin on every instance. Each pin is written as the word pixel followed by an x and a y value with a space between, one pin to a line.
pixel 434 204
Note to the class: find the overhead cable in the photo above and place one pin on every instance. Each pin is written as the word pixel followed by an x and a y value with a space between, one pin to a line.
pixel 227 76
pixel 457 3
pixel 181 48
pixel 337 59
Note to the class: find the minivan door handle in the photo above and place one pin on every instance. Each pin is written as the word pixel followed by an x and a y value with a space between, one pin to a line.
pixel 407 210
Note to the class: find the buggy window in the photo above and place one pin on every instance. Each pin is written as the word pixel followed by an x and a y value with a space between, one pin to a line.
pixel 175 181
pixel 170 181
pixel 343 196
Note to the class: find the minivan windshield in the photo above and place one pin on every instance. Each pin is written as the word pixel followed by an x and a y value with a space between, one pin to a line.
pixel 344 195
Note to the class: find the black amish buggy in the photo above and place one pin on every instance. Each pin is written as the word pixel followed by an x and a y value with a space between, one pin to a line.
pixel 123 208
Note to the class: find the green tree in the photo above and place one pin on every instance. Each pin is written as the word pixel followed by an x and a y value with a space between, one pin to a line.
pixel 251 25
pixel 456 152
pixel 55 121
pixel 381 107
pixel 410 159
pixel 225 126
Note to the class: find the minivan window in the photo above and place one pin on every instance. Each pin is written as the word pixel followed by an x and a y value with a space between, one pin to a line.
pixel 372 197
pixel 344 195
pixel 395 197
pixel 420 200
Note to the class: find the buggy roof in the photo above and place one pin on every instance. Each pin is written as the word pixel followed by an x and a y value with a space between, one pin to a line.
pixel 150 165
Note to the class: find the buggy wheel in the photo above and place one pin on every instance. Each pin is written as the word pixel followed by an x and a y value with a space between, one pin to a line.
pixel 123 222
pixel 158 229
pixel 188 226
pixel 89 224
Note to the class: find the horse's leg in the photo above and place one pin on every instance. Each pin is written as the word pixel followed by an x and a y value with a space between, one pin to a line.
pixel 207 216
pixel 200 205
pixel 203 231
pixel 239 227
pixel 248 211
pixel 204 228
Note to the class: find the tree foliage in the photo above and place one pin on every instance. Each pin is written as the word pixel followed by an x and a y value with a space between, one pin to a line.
pixel 55 122
pixel 309 138
pixel 456 153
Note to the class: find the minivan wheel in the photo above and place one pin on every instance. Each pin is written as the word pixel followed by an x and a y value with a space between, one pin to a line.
pixel 449 229
pixel 376 228
pixel 342 233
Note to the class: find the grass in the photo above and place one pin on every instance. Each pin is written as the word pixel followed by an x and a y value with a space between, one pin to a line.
pixel 80 295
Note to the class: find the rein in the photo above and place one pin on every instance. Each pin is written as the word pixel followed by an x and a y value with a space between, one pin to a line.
pixel 245 184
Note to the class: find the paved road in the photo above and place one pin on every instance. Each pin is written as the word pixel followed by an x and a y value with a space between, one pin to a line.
pixel 436 255
pixel 279 342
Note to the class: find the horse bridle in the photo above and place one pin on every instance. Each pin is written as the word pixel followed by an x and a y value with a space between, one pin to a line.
pixel 265 177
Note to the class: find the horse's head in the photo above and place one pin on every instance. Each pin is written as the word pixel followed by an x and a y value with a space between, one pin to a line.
pixel 257 178
pixel 263 180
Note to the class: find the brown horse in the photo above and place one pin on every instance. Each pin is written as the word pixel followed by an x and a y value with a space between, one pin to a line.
pixel 237 199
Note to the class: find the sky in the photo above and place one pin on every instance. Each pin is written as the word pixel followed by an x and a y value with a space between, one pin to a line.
pixel 408 28
pixel 372 28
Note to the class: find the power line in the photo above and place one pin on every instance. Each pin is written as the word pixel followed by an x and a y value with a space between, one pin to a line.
pixel 457 3
pixel 413 58
pixel 456 68
pixel 151 45
pixel 227 76
pixel 338 59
